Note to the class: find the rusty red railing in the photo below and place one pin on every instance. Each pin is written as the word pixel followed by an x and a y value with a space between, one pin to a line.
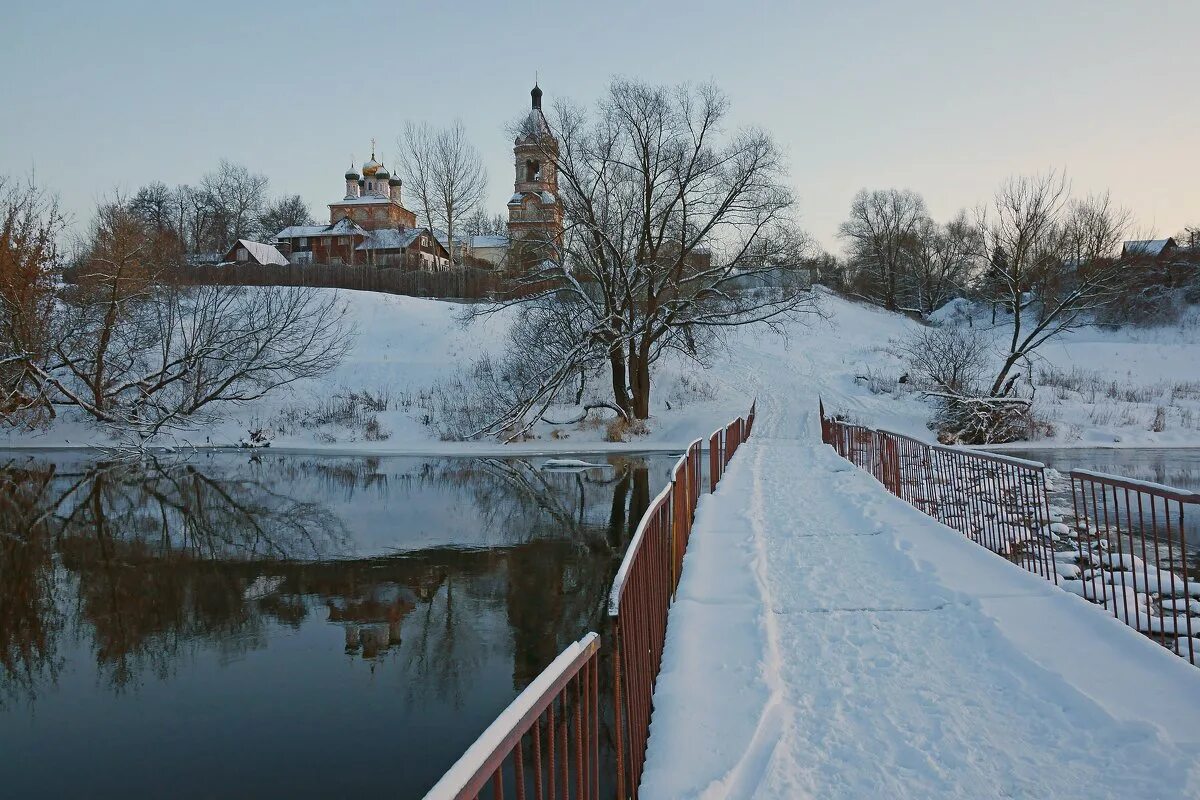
pixel 545 745
pixel 1133 556
pixel 1126 548
pixel 644 589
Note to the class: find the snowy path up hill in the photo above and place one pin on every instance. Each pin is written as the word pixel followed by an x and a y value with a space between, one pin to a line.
pixel 831 641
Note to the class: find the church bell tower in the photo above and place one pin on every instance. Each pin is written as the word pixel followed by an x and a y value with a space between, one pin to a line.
pixel 535 217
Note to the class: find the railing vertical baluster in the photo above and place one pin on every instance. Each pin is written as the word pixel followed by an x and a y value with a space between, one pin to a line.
pixel 580 710
pixel 1187 589
pixel 537 757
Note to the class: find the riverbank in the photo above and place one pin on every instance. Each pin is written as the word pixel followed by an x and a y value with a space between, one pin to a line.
pixel 388 397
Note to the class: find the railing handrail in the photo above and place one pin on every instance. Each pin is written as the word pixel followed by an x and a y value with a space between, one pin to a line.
pixel 471 773
pixel 913 439
pixel 996 458
pixel 947 448
pixel 1120 481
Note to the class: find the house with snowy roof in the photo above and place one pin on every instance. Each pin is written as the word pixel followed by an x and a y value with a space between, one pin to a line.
pixel 245 251
pixel 1148 248
pixel 346 243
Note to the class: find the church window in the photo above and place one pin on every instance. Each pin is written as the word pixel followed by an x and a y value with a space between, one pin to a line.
pixel 533 170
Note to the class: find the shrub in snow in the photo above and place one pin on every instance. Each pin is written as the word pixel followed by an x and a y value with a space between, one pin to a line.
pixel 948 359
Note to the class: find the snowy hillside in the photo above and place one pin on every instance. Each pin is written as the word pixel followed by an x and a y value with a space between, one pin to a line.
pixel 1094 386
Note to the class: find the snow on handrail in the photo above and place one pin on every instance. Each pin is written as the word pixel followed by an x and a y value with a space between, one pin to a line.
pixel 614 596
pixel 1182 495
pixel 963 451
pixel 510 726
pixel 945 448
pixel 902 436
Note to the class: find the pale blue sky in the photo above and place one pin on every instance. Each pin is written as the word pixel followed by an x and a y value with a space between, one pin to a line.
pixel 946 98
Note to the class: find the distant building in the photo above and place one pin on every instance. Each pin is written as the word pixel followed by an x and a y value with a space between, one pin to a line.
pixel 368 227
pixel 535 213
pixel 1148 248
pixel 246 251
pixel 346 243
pixel 489 247
pixel 371 226
pixel 372 199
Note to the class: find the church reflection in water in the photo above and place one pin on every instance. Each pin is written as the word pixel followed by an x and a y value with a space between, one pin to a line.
pixel 423 592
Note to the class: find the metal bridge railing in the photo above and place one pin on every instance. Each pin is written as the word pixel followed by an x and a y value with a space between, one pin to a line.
pixel 1126 548
pixel 545 744
pixel 644 589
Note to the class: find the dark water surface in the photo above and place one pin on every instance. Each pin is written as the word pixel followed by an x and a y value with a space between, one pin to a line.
pixel 276 625
pixel 1178 467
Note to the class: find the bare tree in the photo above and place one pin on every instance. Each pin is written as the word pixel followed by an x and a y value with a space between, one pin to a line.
pixel 941 261
pixel 1189 236
pixel 948 359
pixel 446 173
pixel 284 213
pixel 142 355
pixel 235 197
pixel 103 329
pixel 480 223
pixel 30 227
pixel 1053 262
pixel 157 204
pixel 673 231
pixel 879 231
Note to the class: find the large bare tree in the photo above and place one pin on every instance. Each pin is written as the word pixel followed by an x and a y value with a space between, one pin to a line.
pixel 1054 262
pixel 941 261
pixel 30 227
pixel 879 233
pixel 674 230
pixel 142 355
pixel 445 172
pixel 235 197
pixel 284 213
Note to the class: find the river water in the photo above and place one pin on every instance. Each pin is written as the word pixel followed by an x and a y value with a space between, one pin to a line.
pixel 1177 467
pixel 258 624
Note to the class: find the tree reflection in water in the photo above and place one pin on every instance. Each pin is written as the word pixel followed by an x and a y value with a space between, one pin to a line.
pixel 142 566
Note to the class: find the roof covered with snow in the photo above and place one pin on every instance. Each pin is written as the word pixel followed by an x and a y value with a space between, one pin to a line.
pixel 543 196
pixel 489 240
pixel 364 200
pixel 1147 247
pixel 390 238
pixel 443 238
pixel 262 253
pixel 298 231
pixel 343 227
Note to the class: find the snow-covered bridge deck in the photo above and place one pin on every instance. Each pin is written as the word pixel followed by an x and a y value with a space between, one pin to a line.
pixel 831 641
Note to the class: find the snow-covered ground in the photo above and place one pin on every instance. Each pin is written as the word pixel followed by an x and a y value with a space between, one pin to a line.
pixel 379 399
pixel 1109 387
pixel 830 641
pixel 406 346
